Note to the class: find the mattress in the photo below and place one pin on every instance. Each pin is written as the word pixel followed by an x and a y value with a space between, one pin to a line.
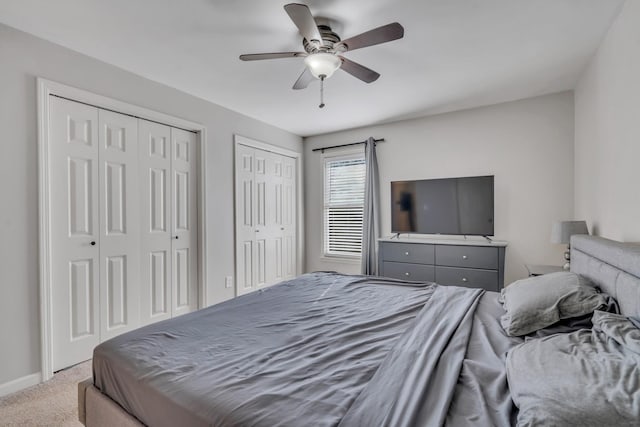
pixel 322 349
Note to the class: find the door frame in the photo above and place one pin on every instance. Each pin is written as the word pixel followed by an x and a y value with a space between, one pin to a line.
pixel 297 156
pixel 46 88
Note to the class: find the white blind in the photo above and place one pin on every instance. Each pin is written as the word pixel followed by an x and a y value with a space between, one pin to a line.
pixel 343 205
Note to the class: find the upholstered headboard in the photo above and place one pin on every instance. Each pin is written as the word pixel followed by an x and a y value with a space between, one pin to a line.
pixel 612 266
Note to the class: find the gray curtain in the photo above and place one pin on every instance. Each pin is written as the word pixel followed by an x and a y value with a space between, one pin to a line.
pixel 371 217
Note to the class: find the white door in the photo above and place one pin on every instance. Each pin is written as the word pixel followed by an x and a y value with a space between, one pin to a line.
pixel 154 144
pixel 245 226
pixel 119 223
pixel 268 237
pixel 265 218
pixel 124 226
pixel 289 214
pixel 184 220
pixel 73 135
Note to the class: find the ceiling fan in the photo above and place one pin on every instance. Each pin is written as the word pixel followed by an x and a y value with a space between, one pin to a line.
pixel 323 48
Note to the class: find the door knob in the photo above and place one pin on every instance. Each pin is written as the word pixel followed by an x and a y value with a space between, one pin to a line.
pixel 176 237
pixel 407 274
pixel 464 257
pixel 93 243
pixel 406 253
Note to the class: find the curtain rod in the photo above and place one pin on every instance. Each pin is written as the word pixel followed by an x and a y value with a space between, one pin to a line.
pixel 346 145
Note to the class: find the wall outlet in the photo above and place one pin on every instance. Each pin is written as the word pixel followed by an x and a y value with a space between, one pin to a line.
pixel 228 282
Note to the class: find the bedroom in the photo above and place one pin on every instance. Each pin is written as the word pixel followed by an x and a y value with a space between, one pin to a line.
pixel 569 154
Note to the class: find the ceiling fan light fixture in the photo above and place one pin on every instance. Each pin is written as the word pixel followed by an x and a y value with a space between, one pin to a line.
pixel 322 64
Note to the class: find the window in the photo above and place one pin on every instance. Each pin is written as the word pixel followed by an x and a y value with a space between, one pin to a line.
pixel 343 205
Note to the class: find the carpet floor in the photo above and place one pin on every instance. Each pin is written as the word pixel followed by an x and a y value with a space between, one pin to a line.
pixel 54 403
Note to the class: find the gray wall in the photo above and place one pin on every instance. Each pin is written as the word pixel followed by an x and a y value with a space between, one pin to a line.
pixel 527 145
pixel 607 168
pixel 23 58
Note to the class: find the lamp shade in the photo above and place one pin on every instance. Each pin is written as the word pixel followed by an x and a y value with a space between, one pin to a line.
pixel 322 64
pixel 562 231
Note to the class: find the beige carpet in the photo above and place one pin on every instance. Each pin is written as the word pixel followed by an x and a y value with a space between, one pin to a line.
pixel 54 403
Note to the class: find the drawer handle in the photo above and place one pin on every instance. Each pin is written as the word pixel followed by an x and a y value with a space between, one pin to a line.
pixel 407 274
pixel 406 253
pixel 464 257
pixel 464 279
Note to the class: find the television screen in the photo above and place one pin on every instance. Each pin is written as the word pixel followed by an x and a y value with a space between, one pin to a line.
pixel 460 206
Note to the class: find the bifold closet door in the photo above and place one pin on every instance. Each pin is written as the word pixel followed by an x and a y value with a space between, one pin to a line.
pixel 119 220
pixel 94 234
pixel 245 223
pixel 268 237
pixel 265 218
pixel 154 158
pixel 73 135
pixel 169 237
pixel 289 215
pixel 184 220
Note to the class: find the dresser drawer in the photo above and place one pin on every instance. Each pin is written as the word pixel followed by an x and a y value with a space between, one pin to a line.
pixel 467 277
pixel 407 252
pixel 467 256
pixel 407 271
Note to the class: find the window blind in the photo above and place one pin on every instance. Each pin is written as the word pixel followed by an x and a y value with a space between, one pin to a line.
pixel 343 207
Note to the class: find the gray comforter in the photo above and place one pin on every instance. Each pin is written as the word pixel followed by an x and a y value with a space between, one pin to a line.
pixel 589 378
pixel 323 349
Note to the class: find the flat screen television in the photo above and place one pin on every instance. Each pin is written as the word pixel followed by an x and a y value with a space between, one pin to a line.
pixel 455 206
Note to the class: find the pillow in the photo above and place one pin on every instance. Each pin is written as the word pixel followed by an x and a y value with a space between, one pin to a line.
pixel 573 324
pixel 541 301
pixel 586 378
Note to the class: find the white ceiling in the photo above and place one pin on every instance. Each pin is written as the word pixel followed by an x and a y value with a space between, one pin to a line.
pixel 456 54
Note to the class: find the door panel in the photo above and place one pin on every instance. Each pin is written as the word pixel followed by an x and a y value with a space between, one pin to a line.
pixel 154 150
pixel 159 279
pixel 73 135
pixel 118 300
pixel 289 226
pixel 119 236
pixel 246 273
pixel 184 220
pixel 268 231
pixel 80 195
pixel 81 288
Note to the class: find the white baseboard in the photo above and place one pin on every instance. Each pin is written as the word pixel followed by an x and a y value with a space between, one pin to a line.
pixel 19 384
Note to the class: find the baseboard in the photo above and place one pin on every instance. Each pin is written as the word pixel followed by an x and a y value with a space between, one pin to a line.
pixel 19 384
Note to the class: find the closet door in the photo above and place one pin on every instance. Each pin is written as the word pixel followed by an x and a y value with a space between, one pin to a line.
pixel 154 144
pixel 289 210
pixel 265 218
pixel 184 220
pixel 119 233
pixel 73 135
pixel 245 225
pixel 268 237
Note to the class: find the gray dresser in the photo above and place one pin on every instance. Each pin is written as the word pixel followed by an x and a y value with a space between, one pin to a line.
pixel 469 263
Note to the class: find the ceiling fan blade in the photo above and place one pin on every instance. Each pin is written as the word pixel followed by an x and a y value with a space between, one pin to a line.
pixel 359 71
pixel 383 34
pixel 302 17
pixel 259 56
pixel 303 81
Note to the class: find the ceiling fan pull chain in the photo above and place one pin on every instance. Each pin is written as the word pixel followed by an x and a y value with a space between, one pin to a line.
pixel 321 91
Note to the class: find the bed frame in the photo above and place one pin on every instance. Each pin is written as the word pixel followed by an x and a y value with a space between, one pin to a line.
pixel 613 266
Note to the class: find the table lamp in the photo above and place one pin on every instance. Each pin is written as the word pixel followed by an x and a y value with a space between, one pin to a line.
pixel 562 231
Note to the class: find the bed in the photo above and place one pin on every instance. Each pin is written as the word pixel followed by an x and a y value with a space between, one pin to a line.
pixel 330 349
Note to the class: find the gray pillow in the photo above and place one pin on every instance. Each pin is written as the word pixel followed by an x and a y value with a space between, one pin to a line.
pixel 541 301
